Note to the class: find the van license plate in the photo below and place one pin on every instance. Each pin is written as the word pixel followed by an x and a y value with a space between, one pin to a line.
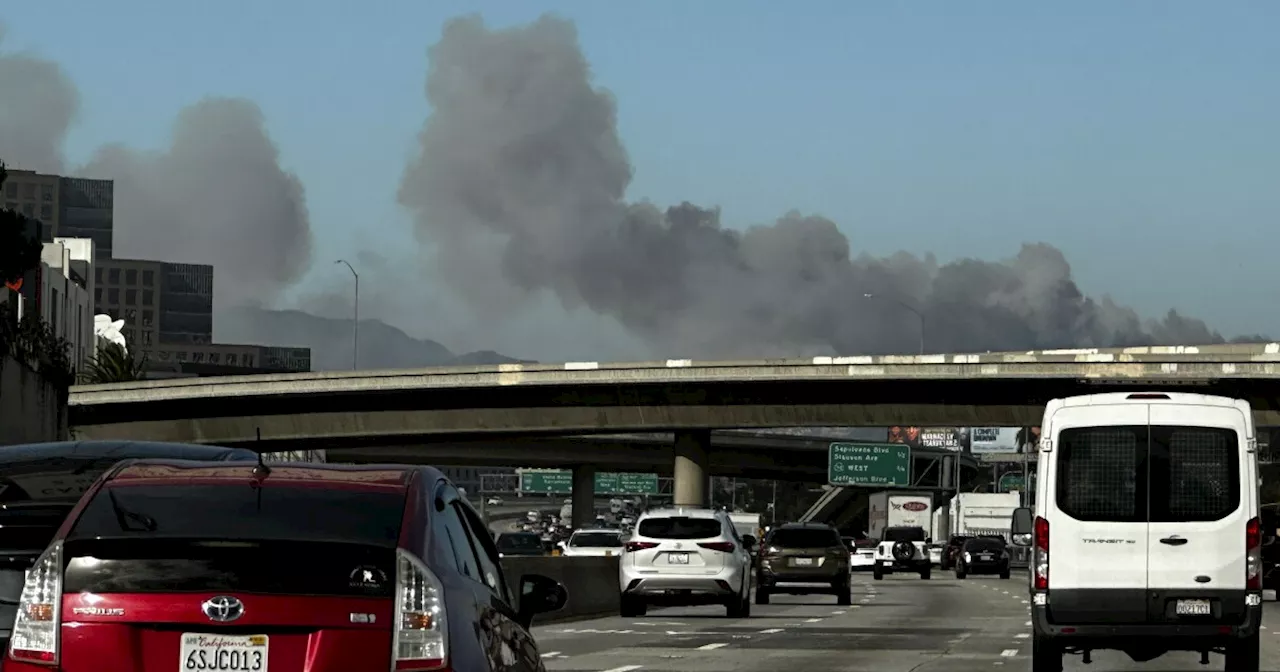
pixel 1193 608
pixel 677 558
pixel 218 653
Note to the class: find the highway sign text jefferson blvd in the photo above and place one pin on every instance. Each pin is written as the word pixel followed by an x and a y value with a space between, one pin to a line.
pixel 869 464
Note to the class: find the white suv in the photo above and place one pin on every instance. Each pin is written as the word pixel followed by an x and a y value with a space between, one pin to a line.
pixel 1146 535
pixel 682 557
pixel 903 549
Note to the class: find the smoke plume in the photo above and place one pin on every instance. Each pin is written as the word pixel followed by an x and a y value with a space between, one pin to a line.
pixel 38 102
pixel 520 183
pixel 217 195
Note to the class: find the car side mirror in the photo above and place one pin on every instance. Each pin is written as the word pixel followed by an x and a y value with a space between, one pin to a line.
pixel 928 540
pixel 1020 527
pixel 539 595
pixel 749 542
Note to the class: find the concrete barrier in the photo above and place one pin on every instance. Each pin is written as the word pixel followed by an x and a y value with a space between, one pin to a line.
pixel 592 583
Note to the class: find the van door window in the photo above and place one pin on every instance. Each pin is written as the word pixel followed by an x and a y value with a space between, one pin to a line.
pixel 1101 473
pixel 1195 474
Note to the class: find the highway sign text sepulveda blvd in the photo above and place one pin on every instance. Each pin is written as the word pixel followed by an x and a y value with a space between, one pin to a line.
pixel 869 464
pixel 560 482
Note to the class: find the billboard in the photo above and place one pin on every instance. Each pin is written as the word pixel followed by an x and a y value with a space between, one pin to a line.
pixel 954 439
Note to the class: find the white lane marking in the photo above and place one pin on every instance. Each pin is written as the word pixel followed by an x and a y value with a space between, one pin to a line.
pixel 1005 592
pixel 1025 602
pixel 1009 653
pixel 813 620
pixel 838 612
pixel 713 647
pixel 1021 635
pixel 771 631
pixel 551 654
pixel 661 623
pixel 625 668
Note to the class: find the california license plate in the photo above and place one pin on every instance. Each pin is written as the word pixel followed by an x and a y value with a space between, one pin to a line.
pixel 802 562
pixel 221 653
pixel 887 563
pixel 984 556
pixel 1193 608
pixel 677 558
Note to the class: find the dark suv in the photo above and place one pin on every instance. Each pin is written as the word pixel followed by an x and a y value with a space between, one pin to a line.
pixel 983 555
pixel 168 564
pixel 803 553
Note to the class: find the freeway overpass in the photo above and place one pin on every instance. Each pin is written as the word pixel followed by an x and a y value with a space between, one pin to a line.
pixel 372 409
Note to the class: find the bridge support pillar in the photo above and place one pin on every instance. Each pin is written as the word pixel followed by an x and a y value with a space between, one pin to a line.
pixel 689 487
pixel 584 496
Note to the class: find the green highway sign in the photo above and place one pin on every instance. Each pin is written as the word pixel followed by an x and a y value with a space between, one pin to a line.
pixel 560 482
pixel 869 464
pixel 1009 482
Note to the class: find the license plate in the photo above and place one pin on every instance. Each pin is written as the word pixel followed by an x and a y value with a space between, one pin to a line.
pixel 984 556
pixel 219 653
pixel 887 563
pixel 802 562
pixel 1193 608
pixel 677 558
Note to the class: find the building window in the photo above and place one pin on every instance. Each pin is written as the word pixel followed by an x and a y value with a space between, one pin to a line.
pixel 148 297
pixel 11 190
pixel 215 357
pixel 29 209
pixel 146 337
pixel 182 356
pixel 197 357
pixel 148 278
pixel 148 317
pixel 231 359
pixel 113 295
pixel 129 335
pixel 248 360
pixel 131 297
pixel 97 295
pixel 113 276
pixel 131 316
pixel 97 274
pixel 131 276
pixel 46 211
pixel 46 192
pixel 29 191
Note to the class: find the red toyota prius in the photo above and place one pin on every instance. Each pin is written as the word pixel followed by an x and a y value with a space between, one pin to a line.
pixel 245 567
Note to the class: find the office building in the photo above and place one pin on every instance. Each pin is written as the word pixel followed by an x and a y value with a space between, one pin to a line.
pixel 160 302
pixel 60 290
pixel 65 207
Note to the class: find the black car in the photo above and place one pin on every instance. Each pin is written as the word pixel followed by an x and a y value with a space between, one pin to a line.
pixel 983 555
pixel 41 482
pixel 952 550
pixel 520 543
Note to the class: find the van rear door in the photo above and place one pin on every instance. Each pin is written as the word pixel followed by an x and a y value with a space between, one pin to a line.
pixel 1200 505
pixel 196 575
pixel 1098 537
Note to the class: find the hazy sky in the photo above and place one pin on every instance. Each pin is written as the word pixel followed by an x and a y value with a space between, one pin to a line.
pixel 1141 138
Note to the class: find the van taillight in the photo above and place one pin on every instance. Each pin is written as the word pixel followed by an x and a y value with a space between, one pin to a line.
pixel 1040 559
pixel 421 640
pixel 35 630
pixel 1253 554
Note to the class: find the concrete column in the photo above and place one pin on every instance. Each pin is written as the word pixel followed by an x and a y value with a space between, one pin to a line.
pixel 584 496
pixel 690 485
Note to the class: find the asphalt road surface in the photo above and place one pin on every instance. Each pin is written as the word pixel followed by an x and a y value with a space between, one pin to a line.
pixel 900 624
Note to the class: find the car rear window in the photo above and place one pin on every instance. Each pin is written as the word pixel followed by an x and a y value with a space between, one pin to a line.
pixel 511 542
pixel 984 545
pixel 799 538
pixel 679 527
pixel 273 539
pixel 1140 473
pixel 896 534
pixel 595 540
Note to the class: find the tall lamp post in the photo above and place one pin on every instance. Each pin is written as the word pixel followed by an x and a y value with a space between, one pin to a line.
pixel 355 318
pixel 906 306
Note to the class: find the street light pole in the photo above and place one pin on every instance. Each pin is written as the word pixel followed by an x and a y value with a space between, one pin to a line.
pixel 903 304
pixel 355 318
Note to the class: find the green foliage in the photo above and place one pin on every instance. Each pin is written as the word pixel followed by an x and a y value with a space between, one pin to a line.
pixel 113 364
pixel 32 341
pixel 19 252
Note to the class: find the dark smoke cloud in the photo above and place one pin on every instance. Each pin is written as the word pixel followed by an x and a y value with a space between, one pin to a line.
pixel 217 195
pixel 38 102
pixel 519 187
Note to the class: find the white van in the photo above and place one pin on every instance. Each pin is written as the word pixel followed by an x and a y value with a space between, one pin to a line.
pixel 1146 535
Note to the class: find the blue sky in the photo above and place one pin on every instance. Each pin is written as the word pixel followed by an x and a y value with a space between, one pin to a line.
pixel 1141 137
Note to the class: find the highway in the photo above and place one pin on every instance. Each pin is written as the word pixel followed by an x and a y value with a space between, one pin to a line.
pixel 900 624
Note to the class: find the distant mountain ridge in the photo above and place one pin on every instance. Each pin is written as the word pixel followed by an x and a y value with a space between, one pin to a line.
pixel 382 346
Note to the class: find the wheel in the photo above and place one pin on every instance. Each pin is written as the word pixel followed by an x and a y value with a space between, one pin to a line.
pixel 630 607
pixel 739 606
pixel 1244 655
pixel 762 595
pixel 1004 573
pixel 960 573
pixel 844 598
pixel 926 573
pixel 877 574
pixel 1046 656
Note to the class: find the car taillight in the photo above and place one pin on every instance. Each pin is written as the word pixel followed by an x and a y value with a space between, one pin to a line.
pixel 421 640
pixel 633 546
pixel 722 546
pixel 35 630
pixel 1041 560
pixel 1253 554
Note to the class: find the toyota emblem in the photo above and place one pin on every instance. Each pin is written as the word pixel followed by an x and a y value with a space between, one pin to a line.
pixel 223 608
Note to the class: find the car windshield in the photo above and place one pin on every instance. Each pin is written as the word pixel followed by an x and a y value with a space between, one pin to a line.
pixel 679 527
pixel 984 544
pixel 519 542
pixel 896 534
pixel 802 538
pixel 595 540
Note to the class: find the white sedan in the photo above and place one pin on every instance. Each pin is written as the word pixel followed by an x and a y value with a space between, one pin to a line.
pixel 594 543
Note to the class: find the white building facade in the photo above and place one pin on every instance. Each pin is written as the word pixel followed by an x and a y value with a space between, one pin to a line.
pixel 65 295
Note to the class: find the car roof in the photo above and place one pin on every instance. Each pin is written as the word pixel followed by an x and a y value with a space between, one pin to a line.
pixel 684 512
pixel 604 530
pixel 171 472
pixel 805 526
